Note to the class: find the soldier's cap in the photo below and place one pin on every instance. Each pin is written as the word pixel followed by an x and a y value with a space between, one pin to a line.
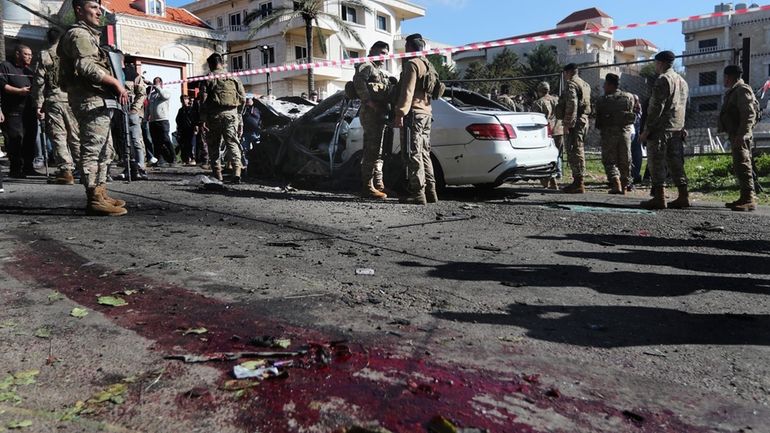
pixel 665 56
pixel 413 37
pixel 612 79
pixel 733 71
pixel 215 58
pixel 81 3
pixel 570 67
pixel 543 86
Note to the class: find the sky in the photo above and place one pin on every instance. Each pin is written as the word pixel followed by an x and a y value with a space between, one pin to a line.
pixel 458 22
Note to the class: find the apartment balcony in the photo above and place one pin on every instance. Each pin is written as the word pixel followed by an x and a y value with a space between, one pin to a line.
pixel 237 33
pixel 705 24
pixel 295 26
pixel 712 90
pixel 707 55
pixel 596 57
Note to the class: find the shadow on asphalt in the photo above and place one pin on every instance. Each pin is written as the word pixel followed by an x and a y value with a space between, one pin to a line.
pixel 744 245
pixel 620 326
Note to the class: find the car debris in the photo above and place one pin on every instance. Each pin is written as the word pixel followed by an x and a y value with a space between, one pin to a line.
pixel 231 356
pixel 365 271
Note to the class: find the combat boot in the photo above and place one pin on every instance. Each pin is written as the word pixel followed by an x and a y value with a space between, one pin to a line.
pixel 370 192
pixel 236 176
pixel 418 198
pixel 102 191
pixel 616 188
pixel 216 173
pixel 431 196
pixel 576 187
pixel 747 202
pixel 379 185
pixel 683 201
pixel 64 177
pixel 552 185
pixel 658 200
pixel 97 206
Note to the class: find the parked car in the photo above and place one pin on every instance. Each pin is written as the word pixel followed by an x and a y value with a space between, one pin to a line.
pixel 474 141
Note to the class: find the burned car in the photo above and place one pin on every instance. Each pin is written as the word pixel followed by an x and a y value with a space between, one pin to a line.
pixel 474 141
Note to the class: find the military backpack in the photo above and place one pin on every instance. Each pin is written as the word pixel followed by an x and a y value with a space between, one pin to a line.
pixel 223 93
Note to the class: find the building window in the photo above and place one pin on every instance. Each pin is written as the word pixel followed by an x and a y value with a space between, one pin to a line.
pixel 711 106
pixel 707 78
pixel 248 60
pixel 156 7
pixel 236 63
pixel 707 43
pixel 220 23
pixel 382 23
pixel 300 53
pixel 351 54
pixel 349 14
pixel 265 9
pixel 235 22
pixel 268 56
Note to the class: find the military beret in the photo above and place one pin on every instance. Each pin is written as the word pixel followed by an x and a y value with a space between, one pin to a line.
pixel 413 37
pixel 612 79
pixel 543 86
pixel 570 67
pixel 215 58
pixel 733 71
pixel 665 56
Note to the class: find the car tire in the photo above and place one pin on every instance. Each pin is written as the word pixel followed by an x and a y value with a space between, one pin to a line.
pixel 438 173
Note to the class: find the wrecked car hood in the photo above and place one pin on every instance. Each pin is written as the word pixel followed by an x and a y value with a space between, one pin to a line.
pixel 279 112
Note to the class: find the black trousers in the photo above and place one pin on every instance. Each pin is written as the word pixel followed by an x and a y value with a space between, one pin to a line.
pixel 164 148
pixel 19 155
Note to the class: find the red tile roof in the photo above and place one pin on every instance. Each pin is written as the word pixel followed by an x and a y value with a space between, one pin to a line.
pixel 173 15
pixel 584 15
pixel 638 42
pixel 575 28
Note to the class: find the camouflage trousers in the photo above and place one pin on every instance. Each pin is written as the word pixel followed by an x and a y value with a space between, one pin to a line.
pixel 666 150
pixel 63 132
pixel 419 164
pixel 558 141
pixel 616 153
pixel 574 146
pixel 373 122
pixel 741 150
pixel 223 129
pixel 96 151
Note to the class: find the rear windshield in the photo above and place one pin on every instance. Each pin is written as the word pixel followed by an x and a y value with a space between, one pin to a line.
pixel 470 101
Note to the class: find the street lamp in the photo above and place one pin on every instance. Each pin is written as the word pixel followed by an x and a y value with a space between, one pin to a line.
pixel 266 55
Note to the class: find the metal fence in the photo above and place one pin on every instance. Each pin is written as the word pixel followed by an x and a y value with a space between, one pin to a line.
pixel 702 110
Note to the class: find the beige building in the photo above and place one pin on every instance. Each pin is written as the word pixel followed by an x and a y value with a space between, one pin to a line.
pixel 706 41
pixel 245 52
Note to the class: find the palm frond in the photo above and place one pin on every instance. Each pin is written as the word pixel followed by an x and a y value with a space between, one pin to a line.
pixel 343 27
pixel 276 15
pixel 320 36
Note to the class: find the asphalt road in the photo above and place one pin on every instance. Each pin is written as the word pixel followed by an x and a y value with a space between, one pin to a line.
pixel 515 310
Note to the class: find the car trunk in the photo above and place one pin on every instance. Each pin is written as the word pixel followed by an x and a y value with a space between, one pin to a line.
pixel 531 130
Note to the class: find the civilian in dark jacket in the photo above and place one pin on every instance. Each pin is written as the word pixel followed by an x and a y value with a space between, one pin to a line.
pixel 186 130
pixel 15 85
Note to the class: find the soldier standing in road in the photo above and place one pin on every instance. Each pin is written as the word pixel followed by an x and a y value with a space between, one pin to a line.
pixel 740 112
pixel 664 133
pixel 138 94
pixel 574 108
pixel 88 79
pixel 419 85
pixel 373 88
pixel 53 106
pixel 615 119
pixel 220 114
pixel 546 104
pixel 504 98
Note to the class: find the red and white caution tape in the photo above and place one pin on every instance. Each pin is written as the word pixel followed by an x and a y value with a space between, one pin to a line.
pixel 470 47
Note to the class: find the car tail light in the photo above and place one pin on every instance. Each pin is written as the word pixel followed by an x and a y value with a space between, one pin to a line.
pixel 491 131
pixel 550 132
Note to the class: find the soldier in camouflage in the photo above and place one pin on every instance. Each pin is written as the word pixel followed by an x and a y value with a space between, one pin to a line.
pixel 373 89
pixel 504 98
pixel 740 112
pixel 137 89
pixel 220 114
pixel 664 133
pixel 573 110
pixel 615 119
pixel 546 104
pixel 53 106
pixel 87 77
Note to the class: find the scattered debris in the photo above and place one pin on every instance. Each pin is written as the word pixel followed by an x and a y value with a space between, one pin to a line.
pixel 231 356
pixel 15 425
pixel 655 353
pixel 598 209
pixel 203 180
pixel 365 271
pixel 708 227
pixel 264 372
pixel 114 394
pixel 10 383
pixel 645 233
pixel 553 393
pixel 43 332
pixel 439 220
pixel 469 206
pixel 55 296
pixel 236 256
pixel 359 429
pixel 402 322
pixel 238 385
pixel 511 339
pixel 491 249
pixel 310 295
pixel 439 424
pixel 79 312
pixel 636 418
pixel 112 301
pixel 283 244
pixel 271 342
pixel 196 331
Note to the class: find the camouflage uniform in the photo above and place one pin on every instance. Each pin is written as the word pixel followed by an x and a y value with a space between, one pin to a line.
pixel 372 87
pixel 615 119
pixel 83 66
pixel 738 116
pixel 574 108
pixel 137 91
pixel 547 105
pixel 665 123
pixel 507 102
pixel 223 119
pixel 61 125
pixel 414 104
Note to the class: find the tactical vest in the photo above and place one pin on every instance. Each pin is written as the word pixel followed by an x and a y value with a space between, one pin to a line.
pixel 614 110
pixel 584 97
pixel 431 82
pixel 223 93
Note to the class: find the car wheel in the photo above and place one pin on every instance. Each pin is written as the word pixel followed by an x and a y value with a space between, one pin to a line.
pixel 438 173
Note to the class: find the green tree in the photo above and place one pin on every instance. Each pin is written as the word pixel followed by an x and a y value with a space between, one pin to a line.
pixel 648 71
pixel 506 65
pixel 311 12
pixel 445 72
pixel 543 61
pixel 477 71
